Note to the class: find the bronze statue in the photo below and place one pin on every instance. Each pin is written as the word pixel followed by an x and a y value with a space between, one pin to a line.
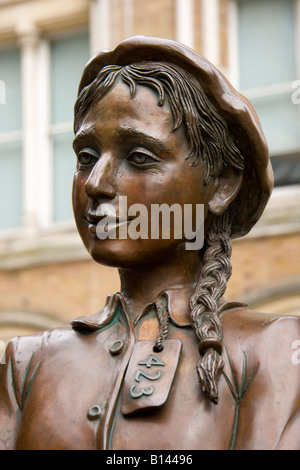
pixel 158 124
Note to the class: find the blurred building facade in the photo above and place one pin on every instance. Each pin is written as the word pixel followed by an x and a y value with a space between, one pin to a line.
pixel 46 277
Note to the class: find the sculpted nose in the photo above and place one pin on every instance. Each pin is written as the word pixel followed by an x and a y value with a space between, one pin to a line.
pixel 101 180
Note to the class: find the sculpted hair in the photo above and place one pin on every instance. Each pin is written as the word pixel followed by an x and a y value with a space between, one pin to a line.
pixel 209 139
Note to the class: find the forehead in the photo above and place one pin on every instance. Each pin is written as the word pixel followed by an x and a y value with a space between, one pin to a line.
pixel 143 105
pixel 117 113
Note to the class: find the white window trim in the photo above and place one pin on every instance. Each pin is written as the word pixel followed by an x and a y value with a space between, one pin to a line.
pixel 28 39
pixel 43 144
pixel 184 22
pixel 8 137
pixel 271 90
pixel 211 31
pixel 100 25
pixel 233 44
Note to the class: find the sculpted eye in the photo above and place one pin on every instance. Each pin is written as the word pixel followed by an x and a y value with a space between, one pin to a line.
pixel 139 157
pixel 86 157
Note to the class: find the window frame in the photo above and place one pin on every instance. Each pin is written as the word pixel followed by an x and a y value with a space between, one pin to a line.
pixel 276 90
pixel 56 129
pixel 14 136
pixel 273 220
pixel 42 222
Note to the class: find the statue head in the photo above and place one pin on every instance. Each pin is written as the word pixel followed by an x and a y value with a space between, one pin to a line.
pixel 209 144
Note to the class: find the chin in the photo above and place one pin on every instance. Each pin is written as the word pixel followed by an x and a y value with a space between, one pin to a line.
pixel 128 253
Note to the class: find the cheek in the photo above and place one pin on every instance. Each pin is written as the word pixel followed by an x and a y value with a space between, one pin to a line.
pixel 140 188
pixel 176 185
pixel 182 184
pixel 193 189
pixel 79 197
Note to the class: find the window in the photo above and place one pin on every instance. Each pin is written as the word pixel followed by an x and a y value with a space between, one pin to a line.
pixel 48 160
pixel 68 57
pixel 11 139
pixel 267 43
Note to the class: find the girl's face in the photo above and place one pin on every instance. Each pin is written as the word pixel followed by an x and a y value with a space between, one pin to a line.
pixel 125 147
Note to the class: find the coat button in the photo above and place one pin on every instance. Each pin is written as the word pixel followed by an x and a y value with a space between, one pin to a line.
pixel 94 412
pixel 116 347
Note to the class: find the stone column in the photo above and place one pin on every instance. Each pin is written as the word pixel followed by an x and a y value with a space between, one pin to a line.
pixel 211 30
pixel 184 22
pixel 100 26
pixel 28 40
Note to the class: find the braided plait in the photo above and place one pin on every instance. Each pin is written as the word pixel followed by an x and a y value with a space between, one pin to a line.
pixel 163 316
pixel 204 304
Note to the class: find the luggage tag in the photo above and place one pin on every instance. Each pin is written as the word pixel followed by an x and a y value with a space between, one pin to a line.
pixel 149 376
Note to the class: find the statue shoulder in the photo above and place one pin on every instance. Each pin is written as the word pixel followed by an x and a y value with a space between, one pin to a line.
pixel 244 325
pixel 272 341
pixel 255 322
pixel 264 350
pixel 22 350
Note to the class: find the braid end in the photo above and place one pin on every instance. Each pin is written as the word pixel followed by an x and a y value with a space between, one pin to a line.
pixel 209 369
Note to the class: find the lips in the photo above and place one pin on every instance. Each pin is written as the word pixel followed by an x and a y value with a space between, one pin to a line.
pixel 112 221
pixel 95 218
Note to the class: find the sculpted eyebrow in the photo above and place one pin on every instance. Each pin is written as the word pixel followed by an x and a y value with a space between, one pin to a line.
pixel 134 133
pixel 82 134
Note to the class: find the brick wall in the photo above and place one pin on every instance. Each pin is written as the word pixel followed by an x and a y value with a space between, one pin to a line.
pixel 68 290
pixel 63 290
pixel 265 264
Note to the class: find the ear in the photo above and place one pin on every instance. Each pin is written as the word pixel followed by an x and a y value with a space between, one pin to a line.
pixel 228 186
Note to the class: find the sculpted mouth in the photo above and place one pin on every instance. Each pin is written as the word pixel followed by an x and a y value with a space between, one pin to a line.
pixel 93 218
pixel 110 219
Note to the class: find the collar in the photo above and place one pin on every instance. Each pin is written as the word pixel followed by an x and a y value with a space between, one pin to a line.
pixel 178 307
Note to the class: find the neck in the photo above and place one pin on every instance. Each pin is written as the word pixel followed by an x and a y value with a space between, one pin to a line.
pixel 141 285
